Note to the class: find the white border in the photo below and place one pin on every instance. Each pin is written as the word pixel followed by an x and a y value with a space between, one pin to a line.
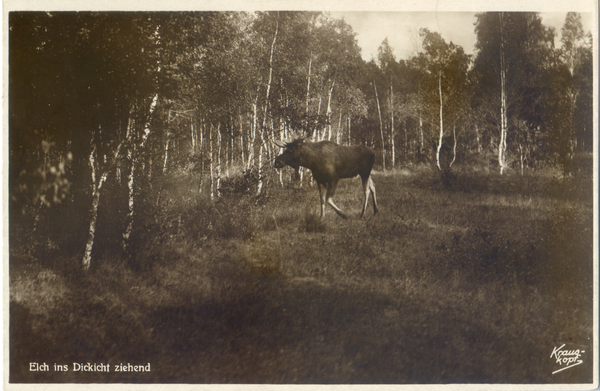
pixel 338 5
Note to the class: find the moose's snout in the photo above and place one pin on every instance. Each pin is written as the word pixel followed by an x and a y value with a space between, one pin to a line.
pixel 279 163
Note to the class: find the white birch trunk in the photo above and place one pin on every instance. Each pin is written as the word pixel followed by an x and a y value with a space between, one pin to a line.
pixel 308 87
pixel 478 138
pixel 132 154
pixel 166 154
pixel 393 144
pixel 218 168
pixel 349 128
pixel 231 156
pixel 503 105
pixel 264 127
pixel 87 256
pixel 212 179
pixel 252 144
pixel 339 129
pixel 439 147
pixel 421 130
pixel 96 187
pixel 392 128
pixel 522 157
pixel 329 111
pixel 316 135
pixel 202 127
pixel 130 187
pixel 242 143
pixel 380 126
pixel 454 154
pixel 260 154
pixel 193 135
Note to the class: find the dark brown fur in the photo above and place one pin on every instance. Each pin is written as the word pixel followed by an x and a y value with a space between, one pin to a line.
pixel 330 162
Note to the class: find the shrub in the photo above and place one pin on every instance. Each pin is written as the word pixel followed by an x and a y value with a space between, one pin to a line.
pixel 313 222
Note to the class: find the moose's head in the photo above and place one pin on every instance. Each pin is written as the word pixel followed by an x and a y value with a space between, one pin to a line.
pixel 291 153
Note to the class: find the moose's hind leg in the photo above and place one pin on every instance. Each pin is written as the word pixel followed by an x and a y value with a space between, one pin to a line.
pixel 366 186
pixel 372 188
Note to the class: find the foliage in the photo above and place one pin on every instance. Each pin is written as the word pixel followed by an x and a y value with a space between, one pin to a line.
pixel 188 91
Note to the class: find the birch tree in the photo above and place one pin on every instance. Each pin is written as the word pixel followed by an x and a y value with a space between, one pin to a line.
pixel 388 66
pixel 446 69
pixel 266 107
pixel 99 176
pixel 513 48
pixel 574 53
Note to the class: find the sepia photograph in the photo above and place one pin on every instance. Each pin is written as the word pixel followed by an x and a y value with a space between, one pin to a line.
pixel 279 194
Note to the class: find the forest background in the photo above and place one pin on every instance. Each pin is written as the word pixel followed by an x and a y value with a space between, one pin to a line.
pixel 208 92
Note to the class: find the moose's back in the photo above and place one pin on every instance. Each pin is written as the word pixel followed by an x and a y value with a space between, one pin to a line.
pixel 329 160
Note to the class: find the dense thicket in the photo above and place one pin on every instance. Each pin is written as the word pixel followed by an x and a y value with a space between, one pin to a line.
pixel 103 105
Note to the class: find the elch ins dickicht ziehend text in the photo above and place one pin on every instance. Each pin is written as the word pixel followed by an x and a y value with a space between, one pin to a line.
pixel 88 367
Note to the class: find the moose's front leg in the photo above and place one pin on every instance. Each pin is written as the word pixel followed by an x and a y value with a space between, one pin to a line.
pixel 322 194
pixel 331 186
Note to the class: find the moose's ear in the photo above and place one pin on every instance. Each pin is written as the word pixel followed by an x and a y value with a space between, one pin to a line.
pixel 297 141
pixel 280 143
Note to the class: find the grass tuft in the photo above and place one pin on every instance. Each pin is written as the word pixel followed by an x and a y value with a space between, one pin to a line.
pixel 313 222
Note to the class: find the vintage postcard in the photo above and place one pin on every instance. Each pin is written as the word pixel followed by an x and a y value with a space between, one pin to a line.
pixel 274 194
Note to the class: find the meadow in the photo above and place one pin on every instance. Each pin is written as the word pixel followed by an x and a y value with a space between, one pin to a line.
pixel 475 278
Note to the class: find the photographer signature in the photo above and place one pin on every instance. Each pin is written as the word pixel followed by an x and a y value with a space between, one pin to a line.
pixel 566 358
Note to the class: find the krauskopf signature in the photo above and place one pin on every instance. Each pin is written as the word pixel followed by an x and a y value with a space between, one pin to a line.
pixel 566 358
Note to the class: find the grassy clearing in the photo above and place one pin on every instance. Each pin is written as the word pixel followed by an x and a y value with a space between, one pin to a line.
pixel 473 280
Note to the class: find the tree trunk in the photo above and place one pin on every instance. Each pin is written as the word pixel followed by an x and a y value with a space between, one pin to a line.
pixel 454 150
pixel 339 129
pixel 96 187
pixel 439 147
pixel 478 138
pixel 329 111
pixel 405 140
pixel 166 153
pixel 393 146
pixel 503 105
pixel 242 143
pixel 210 158
pixel 308 88
pixel 218 168
pixel 231 154
pixel 521 155
pixel 202 127
pixel 380 126
pixel 392 121
pixel 252 145
pixel 264 127
pixel 87 256
pixel 349 127
pixel 133 154
pixel 259 166
pixel 193 136
pixel 316 135
pixel 421 132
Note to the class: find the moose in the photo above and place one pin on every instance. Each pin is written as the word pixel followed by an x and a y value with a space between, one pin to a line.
pixel 330 162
